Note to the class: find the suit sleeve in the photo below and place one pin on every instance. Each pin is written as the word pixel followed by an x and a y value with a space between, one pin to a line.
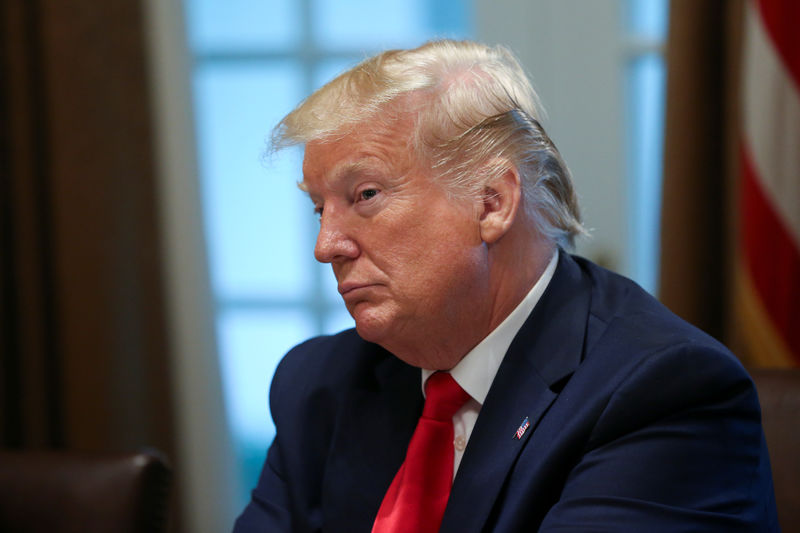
pixel 287 496
pixel 678 447
pixel 268 510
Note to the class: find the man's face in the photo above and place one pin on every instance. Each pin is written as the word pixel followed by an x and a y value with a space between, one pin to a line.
pixel 408 258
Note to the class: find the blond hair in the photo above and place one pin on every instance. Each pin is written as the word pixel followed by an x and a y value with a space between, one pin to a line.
pixel 475 114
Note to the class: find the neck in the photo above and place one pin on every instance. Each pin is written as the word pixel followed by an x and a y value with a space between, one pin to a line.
pixel 517 266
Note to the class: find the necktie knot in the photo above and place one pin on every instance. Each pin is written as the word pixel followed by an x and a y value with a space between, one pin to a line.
pixel 443 397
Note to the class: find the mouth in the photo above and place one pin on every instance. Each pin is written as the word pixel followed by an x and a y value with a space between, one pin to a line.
pixel 350 286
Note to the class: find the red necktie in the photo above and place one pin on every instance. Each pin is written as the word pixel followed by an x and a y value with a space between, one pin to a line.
pixel 418 494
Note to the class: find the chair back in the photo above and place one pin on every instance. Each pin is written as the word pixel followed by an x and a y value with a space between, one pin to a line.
pixel 779 394
pixel 66 492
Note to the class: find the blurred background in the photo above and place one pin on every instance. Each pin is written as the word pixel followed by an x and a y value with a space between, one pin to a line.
pixel 157 259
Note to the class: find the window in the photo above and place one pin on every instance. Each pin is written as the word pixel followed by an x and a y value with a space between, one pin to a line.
pixel 253 61
pixel 646 80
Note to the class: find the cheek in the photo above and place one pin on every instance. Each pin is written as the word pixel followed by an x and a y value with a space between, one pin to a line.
pixel 427 246
pixel 449 266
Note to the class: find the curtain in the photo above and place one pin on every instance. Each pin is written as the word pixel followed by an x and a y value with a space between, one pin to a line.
pixel 83 341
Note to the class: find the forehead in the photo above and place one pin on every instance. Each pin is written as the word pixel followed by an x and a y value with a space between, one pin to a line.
pixel 363 149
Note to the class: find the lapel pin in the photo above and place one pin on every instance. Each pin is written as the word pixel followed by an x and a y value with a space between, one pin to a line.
pixel 522 428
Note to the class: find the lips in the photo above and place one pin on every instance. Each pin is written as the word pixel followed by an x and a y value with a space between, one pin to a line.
pixel 349 286
pixel 357 289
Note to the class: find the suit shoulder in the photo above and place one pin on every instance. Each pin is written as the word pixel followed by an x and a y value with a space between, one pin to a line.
pixel 318 351
pixel 639 349
pixel 322 358
pixel 322 368
pixel 621 309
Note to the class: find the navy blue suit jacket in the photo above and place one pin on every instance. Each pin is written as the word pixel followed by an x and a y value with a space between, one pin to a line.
pixel 638 422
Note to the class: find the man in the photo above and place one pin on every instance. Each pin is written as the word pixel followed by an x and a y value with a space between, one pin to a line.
pixel 566 397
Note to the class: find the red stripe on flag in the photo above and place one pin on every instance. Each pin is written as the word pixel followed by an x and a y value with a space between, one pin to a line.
pixel 782 22
pixel 771 257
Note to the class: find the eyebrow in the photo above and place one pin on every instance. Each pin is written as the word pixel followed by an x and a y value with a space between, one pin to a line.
pixel 345 169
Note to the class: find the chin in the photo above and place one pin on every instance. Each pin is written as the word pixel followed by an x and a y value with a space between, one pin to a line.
pixel 372 328
pixel 369 332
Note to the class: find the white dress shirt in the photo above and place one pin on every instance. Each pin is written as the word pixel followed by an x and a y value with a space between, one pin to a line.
pixel 476 371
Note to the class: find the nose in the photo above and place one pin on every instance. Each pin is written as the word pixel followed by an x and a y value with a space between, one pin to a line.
pixel 333 242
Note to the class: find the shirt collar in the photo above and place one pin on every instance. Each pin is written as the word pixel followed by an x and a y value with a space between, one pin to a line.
pixel 476 371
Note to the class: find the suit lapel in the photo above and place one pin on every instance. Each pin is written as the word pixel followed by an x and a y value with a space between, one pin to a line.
pixel 542 356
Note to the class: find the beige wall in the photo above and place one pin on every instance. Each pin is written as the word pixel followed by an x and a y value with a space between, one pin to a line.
pixel 573 51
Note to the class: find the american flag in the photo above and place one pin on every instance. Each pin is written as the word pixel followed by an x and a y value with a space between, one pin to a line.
pixel 768 275
pixel 522 428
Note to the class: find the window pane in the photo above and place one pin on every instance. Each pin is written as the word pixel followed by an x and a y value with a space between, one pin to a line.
pixel 329 288
pixel 453 18
pixel 646 80
pixel 648 18
pixel 365 25
pixel 338 320
pixel 256 218
pixel 251 345
pixel 330 68
pixel 229 25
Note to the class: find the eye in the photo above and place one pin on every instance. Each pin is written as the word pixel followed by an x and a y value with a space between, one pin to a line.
pixel 367 194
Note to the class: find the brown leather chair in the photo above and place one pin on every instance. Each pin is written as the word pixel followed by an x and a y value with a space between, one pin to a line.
pixel 779 393
pixel 66 492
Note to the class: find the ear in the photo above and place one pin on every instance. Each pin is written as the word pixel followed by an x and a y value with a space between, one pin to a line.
pixel 501 202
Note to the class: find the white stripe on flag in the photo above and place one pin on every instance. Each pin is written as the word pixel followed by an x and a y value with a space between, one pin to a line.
pixel 772 122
